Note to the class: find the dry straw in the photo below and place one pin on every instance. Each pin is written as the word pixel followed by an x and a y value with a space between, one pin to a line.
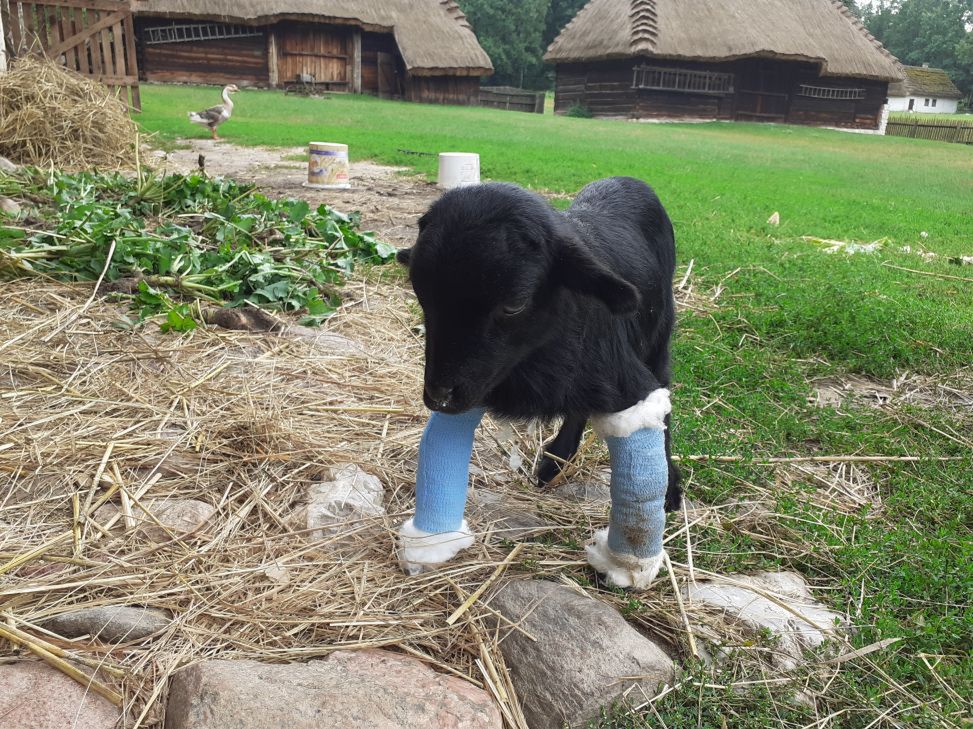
pixel 52 116
pixel 245 422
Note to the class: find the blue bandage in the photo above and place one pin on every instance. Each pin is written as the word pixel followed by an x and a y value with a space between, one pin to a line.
pixel 444 470
pixel 639 480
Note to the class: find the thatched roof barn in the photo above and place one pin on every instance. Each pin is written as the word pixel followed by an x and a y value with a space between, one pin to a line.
pixel 804 61
pixel 424 50
pixel 924 89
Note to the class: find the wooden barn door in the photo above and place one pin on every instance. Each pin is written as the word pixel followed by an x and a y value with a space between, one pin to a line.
pixel 388 77
pixel 762 92
pixel 314 54
pixel 93 37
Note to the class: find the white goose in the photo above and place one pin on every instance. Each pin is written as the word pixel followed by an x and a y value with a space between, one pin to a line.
pixel 215 115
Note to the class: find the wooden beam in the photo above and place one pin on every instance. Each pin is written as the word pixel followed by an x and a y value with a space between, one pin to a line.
pixel 356 61
pixel 274 77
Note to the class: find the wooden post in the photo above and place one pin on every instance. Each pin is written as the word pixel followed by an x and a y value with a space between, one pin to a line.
pixel 272 59
pixel 3 41
pixel 356 61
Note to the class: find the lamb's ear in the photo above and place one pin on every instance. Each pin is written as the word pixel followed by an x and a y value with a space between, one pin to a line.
pixel 576 269
pixel 403 255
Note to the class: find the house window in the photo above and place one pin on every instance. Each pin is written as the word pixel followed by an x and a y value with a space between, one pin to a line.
pixel 658 78
pixel 933 102
pixel 197 32
pixel 927 103
pixel 831 92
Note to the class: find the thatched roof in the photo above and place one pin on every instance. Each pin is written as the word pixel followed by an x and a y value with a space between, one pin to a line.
pixel 433 36
pixel 817 31
pixel 924 81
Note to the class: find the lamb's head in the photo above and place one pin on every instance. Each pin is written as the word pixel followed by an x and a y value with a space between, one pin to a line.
pixel 497 271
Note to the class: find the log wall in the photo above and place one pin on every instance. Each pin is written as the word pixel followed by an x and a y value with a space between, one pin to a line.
pixel 457 90
pixel 764 90
pixel 220 62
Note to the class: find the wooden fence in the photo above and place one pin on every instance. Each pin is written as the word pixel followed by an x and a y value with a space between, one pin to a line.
pixel 512 99
pixel 941 130
pixel 96 38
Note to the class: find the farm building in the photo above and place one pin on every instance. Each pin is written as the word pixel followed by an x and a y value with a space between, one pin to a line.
pixel 796 61
pixel 420 50
pixel 929 90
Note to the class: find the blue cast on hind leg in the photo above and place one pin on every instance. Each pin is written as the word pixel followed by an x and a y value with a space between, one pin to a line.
pixel 629 552
pixel 438 530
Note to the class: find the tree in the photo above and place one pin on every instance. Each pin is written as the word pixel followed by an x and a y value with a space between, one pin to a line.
pixel 511 32
pixel 937 32
pixel 516 34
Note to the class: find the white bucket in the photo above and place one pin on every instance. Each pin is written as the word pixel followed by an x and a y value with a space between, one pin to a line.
pixel 327 166
pixel 457 169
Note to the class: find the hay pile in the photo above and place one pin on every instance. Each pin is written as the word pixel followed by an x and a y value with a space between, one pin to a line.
pixel 245 422
pixel 52 116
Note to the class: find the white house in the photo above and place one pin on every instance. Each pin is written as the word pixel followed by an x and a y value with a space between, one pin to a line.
pixel 926 90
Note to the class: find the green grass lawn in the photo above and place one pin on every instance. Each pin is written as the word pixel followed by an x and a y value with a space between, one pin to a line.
pixel 777 313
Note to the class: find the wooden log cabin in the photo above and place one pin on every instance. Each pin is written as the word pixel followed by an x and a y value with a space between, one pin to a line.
pixel 419 50
pixel 789 61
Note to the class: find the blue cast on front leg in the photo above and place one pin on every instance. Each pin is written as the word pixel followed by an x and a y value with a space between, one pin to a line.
pixel 639 480
pixel 444 470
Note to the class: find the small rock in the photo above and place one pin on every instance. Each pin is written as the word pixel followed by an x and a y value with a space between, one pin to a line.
pixel 8 206
pixel 795 634
pixel 349 689
pixel 350 496
pixel 37 696
pixel 503 517
pixel 112 624
pixel 774 219
pixel 586 492
pixel 6 165
pixel 181 517
pixel 583 658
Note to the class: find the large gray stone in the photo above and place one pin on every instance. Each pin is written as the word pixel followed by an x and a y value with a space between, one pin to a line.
pixel 371 689
pixel 36 696
pixel 501 517
pixel 8 206
pixel 584 658
pixel 341 503
pixel 7 166
pixel 806 624
pixel 111 624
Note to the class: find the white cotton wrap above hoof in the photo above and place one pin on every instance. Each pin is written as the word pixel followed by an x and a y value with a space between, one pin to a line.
pixel 421 551
pixel 622 570
pixel 648 413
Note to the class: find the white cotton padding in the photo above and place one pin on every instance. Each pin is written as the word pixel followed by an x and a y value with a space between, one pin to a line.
pixel 422 551
pixel 648 413
pixel 622 570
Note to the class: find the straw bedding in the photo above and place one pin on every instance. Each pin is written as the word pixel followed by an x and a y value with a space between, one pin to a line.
pixel 52 116
pixel 245 422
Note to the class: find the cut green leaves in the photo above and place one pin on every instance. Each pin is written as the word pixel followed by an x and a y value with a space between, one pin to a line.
pixel 182 238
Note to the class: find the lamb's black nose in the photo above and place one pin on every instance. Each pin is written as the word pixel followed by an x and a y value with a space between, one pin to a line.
pixel 439 396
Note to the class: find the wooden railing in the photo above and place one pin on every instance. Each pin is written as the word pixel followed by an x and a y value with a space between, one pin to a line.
pixel 96 38
pixel 940 130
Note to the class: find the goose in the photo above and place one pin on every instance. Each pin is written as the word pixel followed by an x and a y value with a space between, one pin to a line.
pixel 215 115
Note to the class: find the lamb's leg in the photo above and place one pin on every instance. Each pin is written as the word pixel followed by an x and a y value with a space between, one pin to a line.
pixel 564 446
pixel 438 530
pixel 673 489
pixel 629 552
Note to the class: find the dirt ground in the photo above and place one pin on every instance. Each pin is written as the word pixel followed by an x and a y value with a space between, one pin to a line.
pixel 389 200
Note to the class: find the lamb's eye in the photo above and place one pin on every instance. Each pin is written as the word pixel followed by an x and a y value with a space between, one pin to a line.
pixel 514 309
